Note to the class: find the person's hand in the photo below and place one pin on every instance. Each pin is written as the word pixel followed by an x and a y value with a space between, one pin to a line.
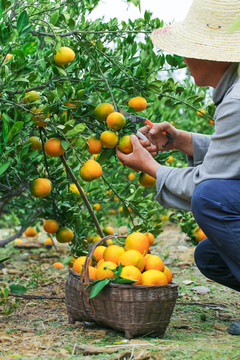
pixel 157 138
pixel 140 159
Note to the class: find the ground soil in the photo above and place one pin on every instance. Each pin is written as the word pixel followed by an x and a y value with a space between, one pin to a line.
pixel 39 328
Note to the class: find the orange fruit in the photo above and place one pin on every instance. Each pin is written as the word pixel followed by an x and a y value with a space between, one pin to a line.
pixel 199 234
pixel 36 143
pixel 147 180
pixel 71 104
pixel 108 230
pixel 53 147
pixel 92 272
pixel 51 226
pixel 96 238
pixel 132 273
pixel 36 119
pixel 31 96
pixel 137 241
pixel 168 274
pixel 58 265
pixel 48 243
pixel 102 111
pixel 79 262
pixel 153 262
pixel 30 231
pixel 64 235
pixel 113 253
pixel 98 252
pixel 131 176
pixel 109 139
pixel 17 241
pixel 116 121
pixel 97 206
pixel 9 57
pixel 105 270
pixel 154 277
pixel 132 257
pixel 150 237
pixel 73 188
pixel 170 159
pixel 64 56
pixel 40 187
pixel 138 103
pixel 125 145
pixel 90 170
pixel 110 242
pixel 100 262
pixel 201 112
pixel 95 145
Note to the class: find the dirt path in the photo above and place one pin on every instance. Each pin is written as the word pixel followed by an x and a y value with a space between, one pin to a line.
pixel 39 329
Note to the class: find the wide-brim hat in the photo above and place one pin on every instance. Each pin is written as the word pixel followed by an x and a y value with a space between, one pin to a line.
pixel 205 33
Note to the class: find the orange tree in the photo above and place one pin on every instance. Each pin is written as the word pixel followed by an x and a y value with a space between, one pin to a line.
pixel 56 66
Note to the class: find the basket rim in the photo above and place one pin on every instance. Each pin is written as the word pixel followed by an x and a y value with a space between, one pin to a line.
pixel 126 286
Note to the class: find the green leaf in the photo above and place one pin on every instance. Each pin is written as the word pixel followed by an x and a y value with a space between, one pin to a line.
pixel 106 154
pixel 22 21
pixel 14 130
pixel 17 289
pixel 235 25
pixel 67 259
pixel 54 18
pixel 123 281
pixel 6 120
pixel 98 287
pixel 79 128
pixel 0 10
pixel 61 71
pixel 4 167
pixel 4 259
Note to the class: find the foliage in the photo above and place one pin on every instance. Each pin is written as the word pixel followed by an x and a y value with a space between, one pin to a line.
pixel 114 61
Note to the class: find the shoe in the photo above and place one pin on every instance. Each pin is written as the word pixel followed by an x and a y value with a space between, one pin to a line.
pixel 234 328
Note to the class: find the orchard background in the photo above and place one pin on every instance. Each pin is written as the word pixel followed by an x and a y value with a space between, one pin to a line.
pixel 114 61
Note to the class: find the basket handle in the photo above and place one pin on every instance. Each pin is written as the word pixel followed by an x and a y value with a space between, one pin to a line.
pixel 84 277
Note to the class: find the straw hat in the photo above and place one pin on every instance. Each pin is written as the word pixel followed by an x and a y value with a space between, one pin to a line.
pixel 205 32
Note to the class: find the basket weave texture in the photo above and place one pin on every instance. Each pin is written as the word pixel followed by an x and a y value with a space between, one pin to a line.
pixel 134 309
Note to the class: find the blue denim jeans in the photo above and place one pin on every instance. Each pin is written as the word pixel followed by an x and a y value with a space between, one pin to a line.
pixel 216 209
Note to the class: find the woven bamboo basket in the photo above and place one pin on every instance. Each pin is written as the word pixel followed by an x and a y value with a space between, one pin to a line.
pixel 135 310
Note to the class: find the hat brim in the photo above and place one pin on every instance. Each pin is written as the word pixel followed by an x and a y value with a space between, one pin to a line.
pixel 209 43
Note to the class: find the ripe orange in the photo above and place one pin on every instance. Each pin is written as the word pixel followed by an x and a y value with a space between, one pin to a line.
pixel 109 139
pixel 105 270
pixel 98 252
pixel 58 265
pixel 51 226
pixel 154 277
pixel 108 230
pixel 199 234
pixel 95 145
pixel 96 238
pixel 132 273
pixel 113 253
pixel 48 243
pixel 64 56
pixel 131 176
pixel 97 206
pixel 9 57
pixel 153 262
pixel 201 112
pixel 137 241
pixel 147 180
pixel 170 159
pixel 92 272
pixel 71 104
pixel 30 231
pixel 110 242
pixel 40 187
pixel 150 237
pixel 132 257
pixel 31 96
pixel 168 274
pixel 64 235
pixel 17 241
pixel 138 103
pixel 73 188
pixel 90 170
pixel 102 111
pixel 125 145
pixel 116 121
pixel 36 119
pixel 36 143
pixel 79 262
pixel 100 262
pixel 53 147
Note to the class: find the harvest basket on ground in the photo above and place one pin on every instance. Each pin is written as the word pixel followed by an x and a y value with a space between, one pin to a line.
pixel 134 309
